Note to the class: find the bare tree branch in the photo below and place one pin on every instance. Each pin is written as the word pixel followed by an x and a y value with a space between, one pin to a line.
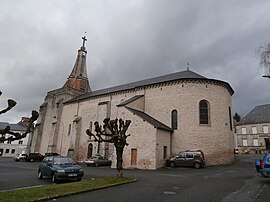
pixel 16 135
pixel 7 130
pixel 11 104
pixel 265 58
pixel 114 131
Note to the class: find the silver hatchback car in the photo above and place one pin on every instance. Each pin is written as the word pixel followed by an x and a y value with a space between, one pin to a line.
pixel 98 161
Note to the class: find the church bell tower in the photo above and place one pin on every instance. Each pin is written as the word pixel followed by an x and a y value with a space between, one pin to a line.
pixel 78 79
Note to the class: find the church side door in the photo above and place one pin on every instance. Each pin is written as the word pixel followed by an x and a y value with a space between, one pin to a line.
pixel 133 157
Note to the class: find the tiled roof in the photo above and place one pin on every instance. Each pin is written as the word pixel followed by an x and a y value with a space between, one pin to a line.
pixel 183 75
pixel 260 114
pixel 150 119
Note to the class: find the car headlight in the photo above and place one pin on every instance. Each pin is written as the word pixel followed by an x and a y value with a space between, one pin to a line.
pixel 60 171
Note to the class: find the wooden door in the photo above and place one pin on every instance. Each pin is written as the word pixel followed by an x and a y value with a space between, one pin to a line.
pixel 133 157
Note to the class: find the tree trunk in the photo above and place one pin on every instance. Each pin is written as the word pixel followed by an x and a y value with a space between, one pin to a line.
pixel 119 164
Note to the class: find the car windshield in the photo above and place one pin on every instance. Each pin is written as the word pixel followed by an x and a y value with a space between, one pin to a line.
pixel 62 161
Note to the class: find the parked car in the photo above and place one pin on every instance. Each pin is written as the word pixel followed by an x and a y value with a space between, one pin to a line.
pixel 34 157
pixel 192 158
pixel 52 154
pixel 98 161
pixel 263 165
pixel 60 168
pixel 20 157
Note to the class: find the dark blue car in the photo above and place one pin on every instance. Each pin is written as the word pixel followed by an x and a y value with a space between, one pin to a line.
pixel 58 167
pixel 263 166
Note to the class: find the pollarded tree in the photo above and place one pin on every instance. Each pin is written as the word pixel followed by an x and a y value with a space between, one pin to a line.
pixel 113 131
pixel 265 59
pixel 16 135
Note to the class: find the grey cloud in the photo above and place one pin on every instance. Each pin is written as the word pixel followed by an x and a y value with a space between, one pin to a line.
pixel 130 41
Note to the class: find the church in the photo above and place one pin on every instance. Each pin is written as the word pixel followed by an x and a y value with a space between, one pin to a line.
pixel 169 113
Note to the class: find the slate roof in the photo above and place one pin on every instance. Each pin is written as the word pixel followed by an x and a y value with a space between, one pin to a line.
pixel 13 127
pixel 183 75
pixel 260 114
pixel 149 119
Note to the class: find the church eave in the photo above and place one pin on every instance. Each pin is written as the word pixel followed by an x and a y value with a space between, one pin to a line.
pixel 183 76
pixel 119 89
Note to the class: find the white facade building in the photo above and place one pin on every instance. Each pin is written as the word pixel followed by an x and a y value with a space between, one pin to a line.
pixel 12 148
pixel 253 130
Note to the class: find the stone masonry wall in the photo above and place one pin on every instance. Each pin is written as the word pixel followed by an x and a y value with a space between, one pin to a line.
pixel 215 139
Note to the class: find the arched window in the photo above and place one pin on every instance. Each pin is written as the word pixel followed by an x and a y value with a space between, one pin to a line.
pixel 90 150
pixel 204 112
pixel 174 119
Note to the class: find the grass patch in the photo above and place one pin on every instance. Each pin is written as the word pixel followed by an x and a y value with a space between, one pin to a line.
pixel 57 190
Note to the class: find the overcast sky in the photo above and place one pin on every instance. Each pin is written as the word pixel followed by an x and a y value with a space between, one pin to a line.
pixel 130 40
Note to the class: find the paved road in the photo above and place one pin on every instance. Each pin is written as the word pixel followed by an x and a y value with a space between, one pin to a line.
pixel 236 182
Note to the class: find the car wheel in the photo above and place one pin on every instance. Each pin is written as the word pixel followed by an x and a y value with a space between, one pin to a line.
pixel 96 164
pixel 88 164
pixel 54 180
pixel 172 164
pixel 197 165
pixel 265 174
pixel 40 176
pixel 79 179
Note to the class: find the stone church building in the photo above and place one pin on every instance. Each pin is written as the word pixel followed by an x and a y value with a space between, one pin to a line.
pixel 169 113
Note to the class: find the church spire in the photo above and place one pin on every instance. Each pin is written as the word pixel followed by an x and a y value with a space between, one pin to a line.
pixel 78 78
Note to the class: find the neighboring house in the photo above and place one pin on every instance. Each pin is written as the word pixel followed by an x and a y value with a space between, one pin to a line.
pixel 253 130
pixel 11 148
pixel 169 113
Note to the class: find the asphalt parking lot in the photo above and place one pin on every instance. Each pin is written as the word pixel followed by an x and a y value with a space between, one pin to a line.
pixel 236 182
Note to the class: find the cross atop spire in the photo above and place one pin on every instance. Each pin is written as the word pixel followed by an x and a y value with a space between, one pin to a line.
pixel 84 39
